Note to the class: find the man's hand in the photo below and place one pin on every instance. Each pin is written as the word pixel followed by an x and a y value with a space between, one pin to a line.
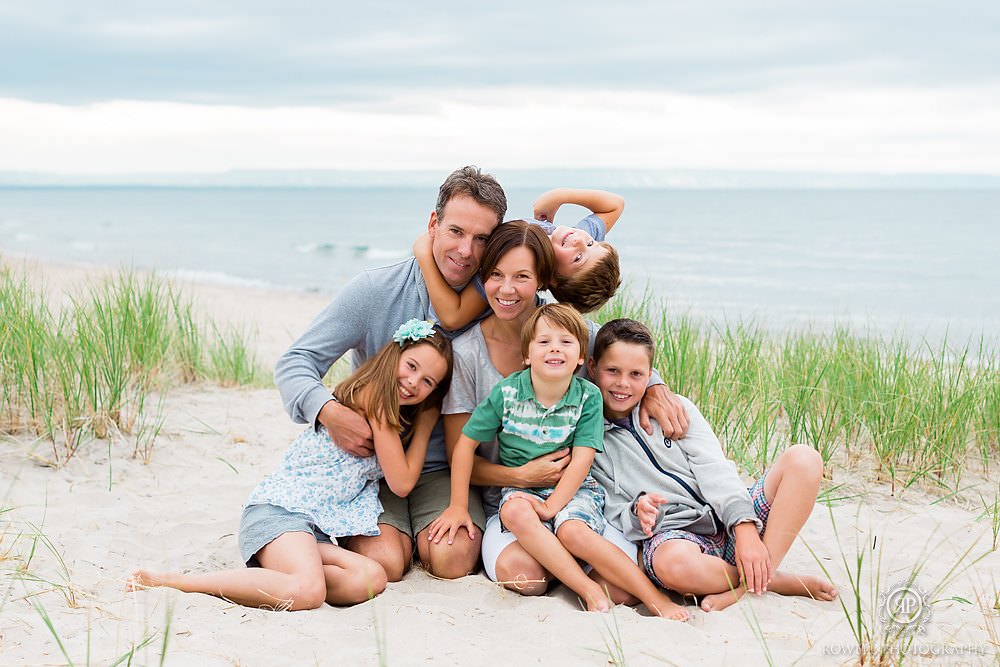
pixel 647 508
pixel 752 558
pixel 545 470
pixel 663 405
pixel 349 430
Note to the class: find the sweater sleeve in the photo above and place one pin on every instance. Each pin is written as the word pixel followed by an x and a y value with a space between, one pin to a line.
pixel 338 328
pixel 717 477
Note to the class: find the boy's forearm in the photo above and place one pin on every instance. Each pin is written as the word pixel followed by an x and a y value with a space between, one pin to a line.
pixel 572 478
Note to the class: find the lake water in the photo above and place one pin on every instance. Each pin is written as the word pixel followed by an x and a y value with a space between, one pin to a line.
pixel 919 262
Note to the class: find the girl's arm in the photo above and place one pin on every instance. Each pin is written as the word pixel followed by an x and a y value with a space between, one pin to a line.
pixel 456 514
pixel 580 460
pixel 606 205
pixel 454 310
pixel 402 467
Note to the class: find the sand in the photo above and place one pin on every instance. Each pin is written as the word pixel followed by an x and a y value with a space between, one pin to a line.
pixel 104 514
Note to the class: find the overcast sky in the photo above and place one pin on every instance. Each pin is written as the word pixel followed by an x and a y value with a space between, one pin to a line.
pixel 899 86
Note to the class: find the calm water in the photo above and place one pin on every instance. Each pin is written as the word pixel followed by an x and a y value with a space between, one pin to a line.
pixel 923 262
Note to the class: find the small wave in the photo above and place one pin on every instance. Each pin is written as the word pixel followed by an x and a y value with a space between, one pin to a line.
pixel 215 278
pixel 322 248
pixel 384 253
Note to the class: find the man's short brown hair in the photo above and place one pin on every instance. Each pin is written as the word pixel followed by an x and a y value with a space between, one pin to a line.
pixel 470 181
pixel 592 287
pixel 624 330
pixel 561 315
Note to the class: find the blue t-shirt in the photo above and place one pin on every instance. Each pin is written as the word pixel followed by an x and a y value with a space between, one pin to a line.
pixel 592 224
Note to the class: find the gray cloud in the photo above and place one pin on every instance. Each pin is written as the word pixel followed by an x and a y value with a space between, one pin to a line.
pixel 266 53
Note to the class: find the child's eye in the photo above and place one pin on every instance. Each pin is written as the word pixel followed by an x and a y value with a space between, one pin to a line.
pixel 411 365
pixel 577 258
pixel 430 382
pixel 591 243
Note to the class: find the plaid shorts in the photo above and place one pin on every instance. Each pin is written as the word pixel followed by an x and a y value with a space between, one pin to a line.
pixel 720 545
pixel 586 505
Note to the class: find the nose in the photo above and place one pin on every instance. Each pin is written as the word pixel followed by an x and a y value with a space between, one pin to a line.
pixel 465 246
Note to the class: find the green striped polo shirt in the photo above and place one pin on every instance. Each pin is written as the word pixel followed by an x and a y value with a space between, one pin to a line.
pixel 526 429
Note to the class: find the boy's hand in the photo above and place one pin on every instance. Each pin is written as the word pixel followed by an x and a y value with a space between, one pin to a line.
pixel 541 508
pixel 663 405
pixel 545 470
pixel 349 430
pixel 449 523
pixel 422 247
pixel 752 558
pixel 647 508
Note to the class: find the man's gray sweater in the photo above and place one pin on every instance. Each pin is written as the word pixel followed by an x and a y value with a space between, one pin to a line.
pixel 360 319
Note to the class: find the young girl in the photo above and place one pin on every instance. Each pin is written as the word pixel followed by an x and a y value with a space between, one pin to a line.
pixel 290 523
pixel 586 267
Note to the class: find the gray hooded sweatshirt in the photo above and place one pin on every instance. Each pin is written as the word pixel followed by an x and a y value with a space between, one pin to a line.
pixel 703 489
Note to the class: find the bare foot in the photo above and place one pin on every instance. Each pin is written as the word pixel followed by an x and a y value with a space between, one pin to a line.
pixel 664 607
pixel 598 601
pixel 719 601
pixel 804 585
pixel 143 579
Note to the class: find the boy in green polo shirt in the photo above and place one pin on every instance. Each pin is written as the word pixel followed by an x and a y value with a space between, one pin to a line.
pixel 534 412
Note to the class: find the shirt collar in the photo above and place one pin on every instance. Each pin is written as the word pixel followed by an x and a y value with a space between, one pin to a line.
pixel 573 395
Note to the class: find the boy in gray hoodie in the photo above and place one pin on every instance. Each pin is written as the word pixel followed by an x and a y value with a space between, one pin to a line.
pixel 703 532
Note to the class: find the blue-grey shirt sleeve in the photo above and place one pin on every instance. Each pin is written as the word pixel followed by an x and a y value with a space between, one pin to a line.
pixel 340 327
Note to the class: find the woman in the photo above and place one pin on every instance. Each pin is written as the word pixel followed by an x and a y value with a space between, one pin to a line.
pixel 517 263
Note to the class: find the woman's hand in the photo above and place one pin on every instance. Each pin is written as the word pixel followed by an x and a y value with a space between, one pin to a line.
pixel 647 508
pixel 544 471
pixel 752 558
pixel 449 523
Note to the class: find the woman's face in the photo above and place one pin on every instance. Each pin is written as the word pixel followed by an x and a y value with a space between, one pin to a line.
pixel 511 286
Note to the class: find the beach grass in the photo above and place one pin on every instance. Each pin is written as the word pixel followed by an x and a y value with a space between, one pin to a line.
pixel 87 369
pixel 914 412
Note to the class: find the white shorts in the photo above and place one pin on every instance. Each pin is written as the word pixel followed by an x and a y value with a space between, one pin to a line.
pixel 495 541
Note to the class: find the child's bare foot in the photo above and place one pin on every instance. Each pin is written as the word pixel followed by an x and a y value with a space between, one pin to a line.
pixel 598 601
pixel 803 585
pixel 143 579
pixel 664 607
pixel 719 601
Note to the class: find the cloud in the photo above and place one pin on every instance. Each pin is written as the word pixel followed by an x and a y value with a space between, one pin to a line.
pixel 903 130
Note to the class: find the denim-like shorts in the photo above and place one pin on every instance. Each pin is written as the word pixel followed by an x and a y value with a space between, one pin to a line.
pixel 262 524
pixel 586 505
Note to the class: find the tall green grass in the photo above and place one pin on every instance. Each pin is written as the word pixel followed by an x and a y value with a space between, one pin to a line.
pixel 917 412
pixel 87 370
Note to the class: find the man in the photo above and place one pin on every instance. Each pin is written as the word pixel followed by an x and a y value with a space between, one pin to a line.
pixel 361 319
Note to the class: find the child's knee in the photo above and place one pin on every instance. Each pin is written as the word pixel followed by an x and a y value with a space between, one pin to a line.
pixel 307 593
pixel 674 570
pixel 517 514
pixel 575 535
pixel 804 463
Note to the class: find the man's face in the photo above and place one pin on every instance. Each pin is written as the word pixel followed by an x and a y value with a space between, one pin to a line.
pixel 458 238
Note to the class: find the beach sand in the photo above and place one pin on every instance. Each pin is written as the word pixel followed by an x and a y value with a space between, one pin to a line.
pixel 104 514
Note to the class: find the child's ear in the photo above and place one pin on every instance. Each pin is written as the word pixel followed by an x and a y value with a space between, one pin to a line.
pixel 580 363
pixel 591 367
pixel 527 362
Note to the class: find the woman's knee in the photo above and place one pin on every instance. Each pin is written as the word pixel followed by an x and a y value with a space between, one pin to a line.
pixel 517 571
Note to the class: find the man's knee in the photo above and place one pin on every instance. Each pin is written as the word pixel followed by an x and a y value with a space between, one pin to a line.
pixel 450 561
pixel 391 549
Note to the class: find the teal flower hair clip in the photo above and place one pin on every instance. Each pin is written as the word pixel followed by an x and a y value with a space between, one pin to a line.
pixel 413 330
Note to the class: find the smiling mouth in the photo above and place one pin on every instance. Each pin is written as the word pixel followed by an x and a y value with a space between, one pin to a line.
pixel 619 397
pixel 505 302
pixel 404 393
